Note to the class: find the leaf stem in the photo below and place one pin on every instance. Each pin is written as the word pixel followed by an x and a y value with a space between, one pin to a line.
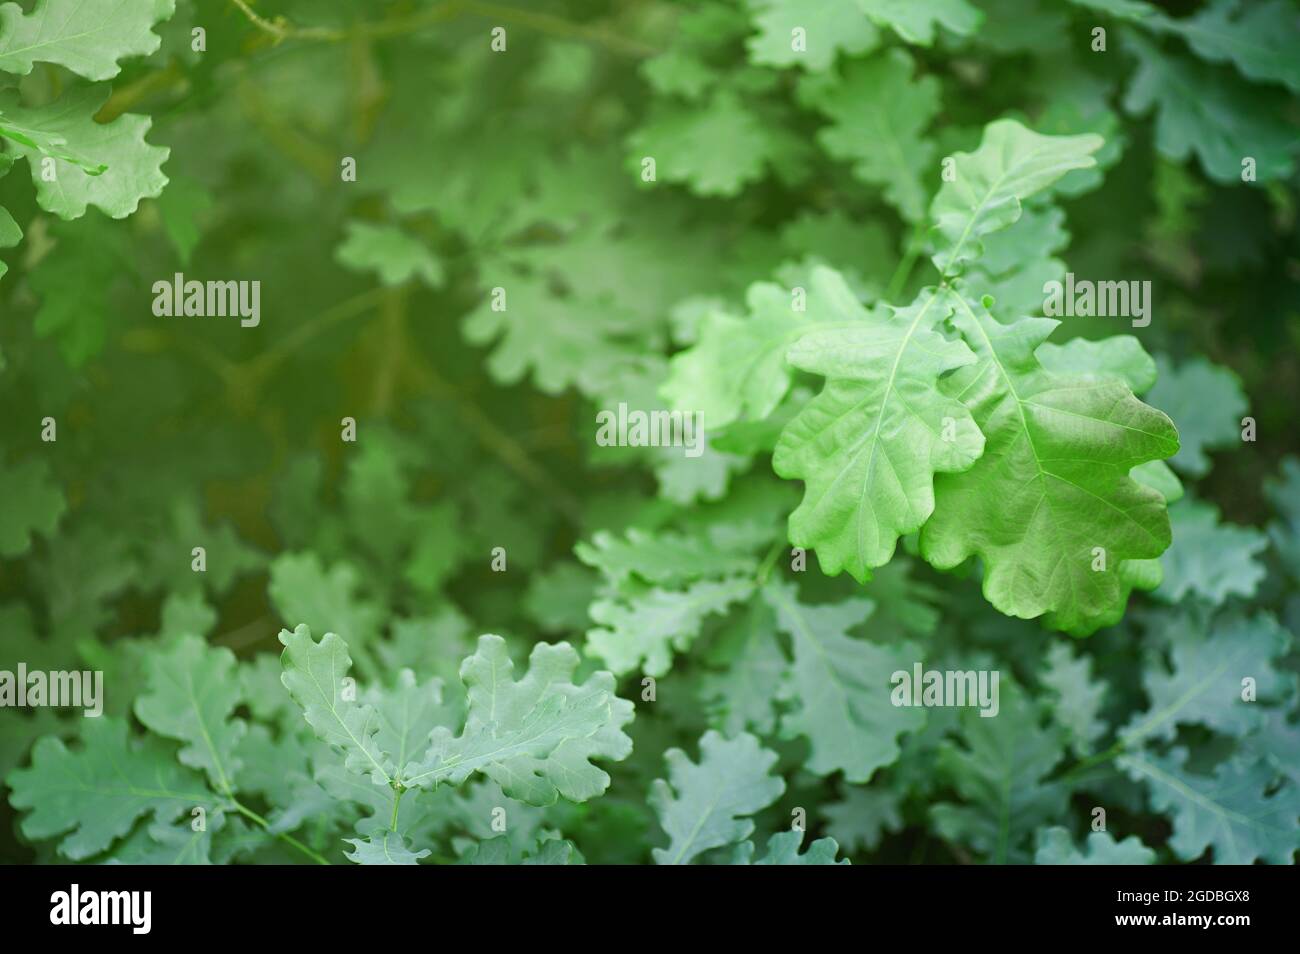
pixel 1097 758
pixel 558 26
pixel 904 270
pixel 769 561
pixel 282 835
pixel 397 800
pixel 282 29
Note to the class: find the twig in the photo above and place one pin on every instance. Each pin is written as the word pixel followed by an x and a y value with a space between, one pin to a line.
pixel 557 26
pixel 282 29
pixel 282 835
pixel 496 440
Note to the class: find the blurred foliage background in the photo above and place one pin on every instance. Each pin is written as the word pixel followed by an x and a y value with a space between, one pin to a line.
pixel 521 168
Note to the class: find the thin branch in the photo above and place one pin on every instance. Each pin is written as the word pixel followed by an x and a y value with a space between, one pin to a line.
pixel 283 836
pixel 497 441
pixel 558 26
pixel 281 29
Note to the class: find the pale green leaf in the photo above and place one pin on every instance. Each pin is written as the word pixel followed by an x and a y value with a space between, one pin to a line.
pixel 1056 847
pixel 1206 402
pixel 191 696
pixel 88 38
pixel 132 168
pixel 1233 812
pixel 392 253
pixel 1210 558
pixel 839 686
pixel 869 446
pixel 829 26
pixel 1204 681
pixel 916 20
pixel 706 804
pixel 536 736
pixel 383 847
pixel 1211 112
pixel 92 795
pixel 644 630
pixel 988 186
pixel 1053 483
pixel 879 113
pixel 33 504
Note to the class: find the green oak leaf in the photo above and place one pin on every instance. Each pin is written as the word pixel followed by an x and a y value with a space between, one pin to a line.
pixel 391 252
pixel 316 675
pixel 1283 492
pixel 536 736
pixel 916 20
pixel 879 112
pixel 40 139
pixel 839 686
pixel 861 817
pixel 988 186
pixel 1078 698
pixel 829 26
pixel 1209 558
pixel 1056 847
pixel 90 796
pixel 1119 356
pixel 87 38
pixel 10 234
pixel 869 447
pixel 742 690
pixel 191 695
pixel 664 558
pixel 1233 811
pixel 562 341
pixel 737 367
pixel 678 72
pixel 1209 111
pixel 1258 38
pixel 499 851
pixel 383 847
pixel 302 589
pixel 783 849
pixel 184 205
pixel 176 844
pixel 132 167
pixel 1000 772
pixel 706 804
pixel 33 504
pixel 714 148
pixel 1038 234
pixel 1206 401
pixel 74 286
pixel 1053 484
pixel 1203 683
pixel 645 628
pixel 1125 9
